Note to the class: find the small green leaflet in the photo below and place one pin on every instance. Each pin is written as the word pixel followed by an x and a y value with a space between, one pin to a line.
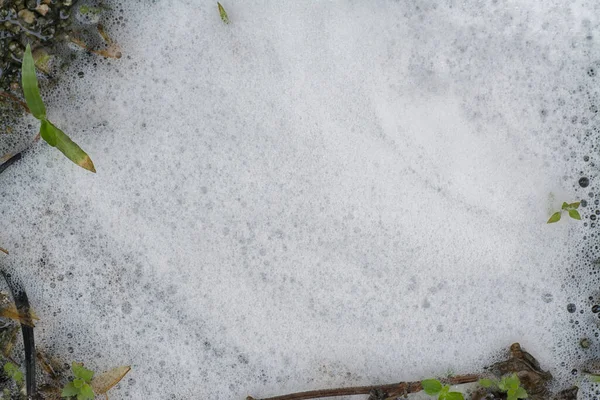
pixel 452 396
pixel 486 383
pixel 431 386
pixel 82 373
pixel 554 218
pixel 223 13
pixel 69 390
pixel 31 90
pixel 574 214
pixel 14 372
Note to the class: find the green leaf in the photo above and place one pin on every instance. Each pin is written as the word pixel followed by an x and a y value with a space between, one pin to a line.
pixel 223 13
pixel 554 218
pixel 455 396
pixel 14 372
pixel 82 373
pixel 68 147
pixel 431 386
pixel 565 205
pixel 594 378
pixel 486 383
pixel 513 381
pixel 29 82
pixel 574 214
pixel 86 393
pixel 69 390
pixel 575 205
pixel 521 393
pixel 48 133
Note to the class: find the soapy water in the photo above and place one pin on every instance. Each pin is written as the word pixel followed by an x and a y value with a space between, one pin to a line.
pixel 316 195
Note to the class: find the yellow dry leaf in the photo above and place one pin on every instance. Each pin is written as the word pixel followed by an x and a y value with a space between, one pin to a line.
pixel 105 381
pixel 10 311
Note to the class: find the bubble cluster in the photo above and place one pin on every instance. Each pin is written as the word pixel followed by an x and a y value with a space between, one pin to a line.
pixel 316 195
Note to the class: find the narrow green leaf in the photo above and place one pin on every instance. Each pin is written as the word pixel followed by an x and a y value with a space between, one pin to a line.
pixel 521 393
pixel 223 13
pixel 48 133
pixel 594 378
pixel 575 205
pixel 68 147
pixel 455 396
pixel 574 214
pixel 565 206
pixel 69 390
pixel 486 383
pixel 554 218
pixel 81 372
pixel 29 82
pixel 431 386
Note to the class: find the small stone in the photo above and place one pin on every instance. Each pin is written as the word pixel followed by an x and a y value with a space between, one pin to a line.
pixel 42 9
pixel 585 343
pixel 27 16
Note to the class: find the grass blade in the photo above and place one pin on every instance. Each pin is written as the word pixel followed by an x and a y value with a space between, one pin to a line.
pixel 223 13
pixel 68 147
pixel 29 82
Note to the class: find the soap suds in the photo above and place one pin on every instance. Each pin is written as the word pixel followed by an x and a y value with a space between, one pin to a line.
pixel 315 195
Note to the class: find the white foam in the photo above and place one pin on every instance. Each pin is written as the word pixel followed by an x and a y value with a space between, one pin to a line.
pixel 314 195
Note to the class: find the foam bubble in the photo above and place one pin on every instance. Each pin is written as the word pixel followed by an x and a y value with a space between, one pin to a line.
pixel 315 195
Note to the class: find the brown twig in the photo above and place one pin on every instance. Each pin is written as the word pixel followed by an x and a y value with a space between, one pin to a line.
pixel 15 99
pixel 391 391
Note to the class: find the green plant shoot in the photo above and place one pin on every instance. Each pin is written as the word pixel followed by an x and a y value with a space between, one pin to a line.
pixel 48 131
pixel 80 386
pixel 433 387
pixel 570 208
pixel 223 13
pixel 510 384
pixel 12 371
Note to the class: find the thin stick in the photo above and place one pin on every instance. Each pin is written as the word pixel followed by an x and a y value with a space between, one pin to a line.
pixel 14 98
pixel 392 391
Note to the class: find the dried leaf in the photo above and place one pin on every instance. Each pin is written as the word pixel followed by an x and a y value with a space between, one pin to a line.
pixel 105 381
pixel 11 311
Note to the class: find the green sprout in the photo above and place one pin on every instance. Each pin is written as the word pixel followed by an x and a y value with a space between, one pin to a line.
pixel 80 386
pixel 433 387
pixel 13 372
pixel 223 13
pixel 571 209
pixel 510 384
pixel 50 133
